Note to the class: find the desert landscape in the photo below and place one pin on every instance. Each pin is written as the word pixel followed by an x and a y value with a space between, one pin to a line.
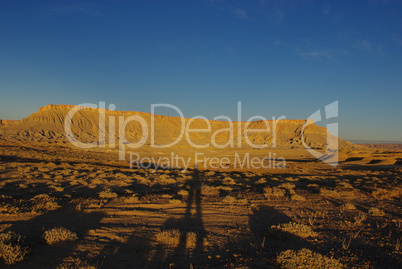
pixel 201 134
pixel 67 207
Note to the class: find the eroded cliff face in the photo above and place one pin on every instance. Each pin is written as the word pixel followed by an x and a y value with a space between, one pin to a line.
pixel 112 127
pixel 7 122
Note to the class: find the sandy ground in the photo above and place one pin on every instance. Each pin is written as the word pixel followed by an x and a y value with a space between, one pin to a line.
pixel 220 218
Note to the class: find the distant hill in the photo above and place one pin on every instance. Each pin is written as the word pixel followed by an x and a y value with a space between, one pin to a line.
pixel 360 141
pixel 48 124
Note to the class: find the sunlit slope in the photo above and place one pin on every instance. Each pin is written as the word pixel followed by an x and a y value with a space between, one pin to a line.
pixel 113 127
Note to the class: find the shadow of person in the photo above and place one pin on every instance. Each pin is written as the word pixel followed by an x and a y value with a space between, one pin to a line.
pixel 187 251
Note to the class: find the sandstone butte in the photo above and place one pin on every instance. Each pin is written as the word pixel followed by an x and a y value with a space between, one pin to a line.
pixel 48 125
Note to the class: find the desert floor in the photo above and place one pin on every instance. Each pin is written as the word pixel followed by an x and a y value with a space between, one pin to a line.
pixel 224 218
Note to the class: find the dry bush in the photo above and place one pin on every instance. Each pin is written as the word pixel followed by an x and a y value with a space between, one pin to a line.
pixel 74 263
pixel 209 190
pixel 313 186
pixel 225 188
pixel 291 179
pixel 144 181
pixel 59 234
pixel 107 194
pixel 294 228
pixel 44 202
pixel 229 200
pixel 172 238
pixel 348 206
pixel 344 185
pixel 132 199
pixel 306 259
pixel 360 217
pixel 242 201
pixel 287 186
pixel 296 197
pixel 261 181
pixel 167 181
pixel 174 201
pixel 386 194
pixel 11 248
pixel 274 191
pixel 183 193
pixel 376 212
pixel 229 181
pixel 327 192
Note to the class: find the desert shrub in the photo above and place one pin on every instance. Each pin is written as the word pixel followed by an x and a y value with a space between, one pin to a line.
pixel 242 201
pixel 348 206
pixel 144 181
pixel 345 185
pixel 360 217
pixel 328 192
pixel 44 202
pixel 107 194
pixel 11 248
pixel 183 193
pixel 294 228
pixel 74 263
pixel 209 190
pixel 287 186
pixel 167 181
pixel 249 174
pixel 384 194
pixel 132 199
pixel 306 259
pixel 172 238
pixel 59 234
pixel 313 186
pixel 274 191
pixel 296 197
pixel 291 179
pixel 261 181
pixel 376 212
pixel 225 188
pixel 229 200
pixel 229 181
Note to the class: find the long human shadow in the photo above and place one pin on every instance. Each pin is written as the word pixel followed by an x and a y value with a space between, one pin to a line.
pixel 183 255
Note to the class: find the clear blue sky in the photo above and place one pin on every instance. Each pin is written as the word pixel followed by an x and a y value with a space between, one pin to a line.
pixel 276 57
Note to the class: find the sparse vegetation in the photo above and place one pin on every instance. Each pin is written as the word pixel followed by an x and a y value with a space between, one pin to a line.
pixel 273 192
pixel 340 212
pixel 360 217
pixel 75 263
pixel 348 206
pixel 59 234
pixel 107 194
pixel 209 190
pixel 306 259
pixel 43 203
pixel 376 212
pixel 11 248
pixel 298 229
pixel 175 237
pixel 296 197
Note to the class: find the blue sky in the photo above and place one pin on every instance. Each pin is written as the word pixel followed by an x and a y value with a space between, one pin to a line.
pixel 277 57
